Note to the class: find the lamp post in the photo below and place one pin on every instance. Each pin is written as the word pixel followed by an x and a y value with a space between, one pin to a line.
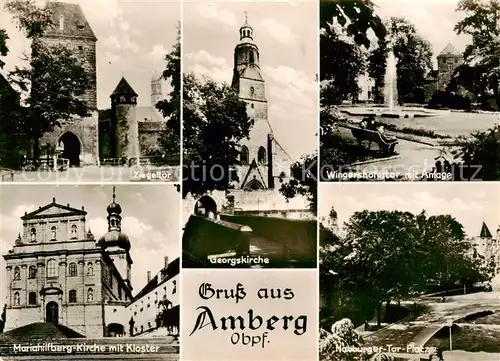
pixel 450 324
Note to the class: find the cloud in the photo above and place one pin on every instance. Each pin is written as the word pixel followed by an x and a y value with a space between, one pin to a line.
pixel 280 32
pixel 158 52
pixel 212 12
pixel 203 63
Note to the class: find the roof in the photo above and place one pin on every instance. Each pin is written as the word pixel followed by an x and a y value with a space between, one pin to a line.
pixel 148 114
pixel 74 23
pixel 124 88
pixel 449 50
pixel 485 232
pixel 54 210
pixel 167 273
pixel 251 72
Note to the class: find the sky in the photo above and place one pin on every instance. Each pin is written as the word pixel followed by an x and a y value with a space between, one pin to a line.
pixel 150 217
pixel 133 39
pixel 433 19
pixel 287 36
pixel 469 203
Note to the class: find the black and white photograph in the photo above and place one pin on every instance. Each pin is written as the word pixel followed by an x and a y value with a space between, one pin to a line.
pixel 409 272
pixel 250 120
pixel 409 90
pixel 88 276
pixel 90 91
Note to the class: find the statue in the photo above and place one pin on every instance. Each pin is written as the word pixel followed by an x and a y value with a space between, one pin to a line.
pixel 131 326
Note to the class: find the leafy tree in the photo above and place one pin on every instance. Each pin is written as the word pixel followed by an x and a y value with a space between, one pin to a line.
pixel 482 23
pixel 54 79
pixel 169 139
pixel 3 46
pixel 215 120
pixel 304 181
pixel 332 343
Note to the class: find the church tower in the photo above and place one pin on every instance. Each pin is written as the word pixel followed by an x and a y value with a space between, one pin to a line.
pixel 124 125
pixel 449 59
pixel 156 89
pixel 116 243
pixel 256 155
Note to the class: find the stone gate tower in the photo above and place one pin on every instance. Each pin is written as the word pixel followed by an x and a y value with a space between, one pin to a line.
pixel 449 59
pixel 156 89
pixel 263 160
pixel 124 126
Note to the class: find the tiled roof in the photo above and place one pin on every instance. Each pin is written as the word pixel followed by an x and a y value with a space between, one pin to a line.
pixel 69 21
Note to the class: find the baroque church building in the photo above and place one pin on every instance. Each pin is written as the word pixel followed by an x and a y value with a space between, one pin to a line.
pixel 58 273
pixel 130 132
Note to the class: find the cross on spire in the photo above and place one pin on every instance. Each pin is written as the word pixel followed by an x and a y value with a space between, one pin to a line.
pixel 114 193
pixel 246 18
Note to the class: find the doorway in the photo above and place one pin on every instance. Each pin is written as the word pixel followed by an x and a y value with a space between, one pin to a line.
pixel 52 313
pixel 72 148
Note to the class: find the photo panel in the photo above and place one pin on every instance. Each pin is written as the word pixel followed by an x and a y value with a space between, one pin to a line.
pixel 250 111
pixel 405 101
pixel 249 315
pixel 409 271
pixel 107 108
pixel 90 277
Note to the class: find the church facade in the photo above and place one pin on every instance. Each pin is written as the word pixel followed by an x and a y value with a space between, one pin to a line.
pixel 58 273
pixel 89 141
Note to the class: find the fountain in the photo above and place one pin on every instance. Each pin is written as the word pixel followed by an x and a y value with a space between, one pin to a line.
pixel 390 82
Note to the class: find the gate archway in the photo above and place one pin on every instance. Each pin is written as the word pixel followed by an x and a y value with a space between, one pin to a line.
pixel 71 148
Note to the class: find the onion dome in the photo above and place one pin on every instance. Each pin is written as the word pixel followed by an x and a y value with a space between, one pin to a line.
pixel 114 237
pixel 333 213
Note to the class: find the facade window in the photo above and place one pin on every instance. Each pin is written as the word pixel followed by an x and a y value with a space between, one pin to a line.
pixel 251 105
pixel 32 272
pixel 53 233
pixel 90 269
pixel 90 295
pixel 52 268
pixel 33 235
pixel 16 299
pixel 174 290
pixel 261 155
pixel 17 273
pixel 72 296
pixel 32 298
pixel 244 155
pixel 72 270
pixel 74 231
pixel 252 91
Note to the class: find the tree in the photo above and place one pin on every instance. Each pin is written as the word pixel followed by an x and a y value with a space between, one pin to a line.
pixel 377 60
pixel 482 23
pixel 215 121
pixel 54 79
pixel 304 181
pixel 332 345
pixel 3 46
pixel 169 140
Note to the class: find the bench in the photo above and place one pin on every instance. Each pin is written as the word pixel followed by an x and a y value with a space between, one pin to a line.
pixel 387 146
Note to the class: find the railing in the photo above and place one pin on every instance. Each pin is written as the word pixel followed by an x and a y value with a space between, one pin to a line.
pixel 30 164
pixel 155 160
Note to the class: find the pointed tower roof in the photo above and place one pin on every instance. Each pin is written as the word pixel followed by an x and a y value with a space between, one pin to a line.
pixel 124 88
pixel 449 50
pixel 485 232
pixel 69 21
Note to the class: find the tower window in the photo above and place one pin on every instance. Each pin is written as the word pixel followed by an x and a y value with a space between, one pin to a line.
pixel 252 91
pixel 72 270
pixel 32 272
pixel 72 296
pixel 244 155
pixel 17 274
pixel 61 22
pixel 261 155
pixel 251 105
pixel 174 290
pixel 252 57
pixel 80 47
pixel 32 298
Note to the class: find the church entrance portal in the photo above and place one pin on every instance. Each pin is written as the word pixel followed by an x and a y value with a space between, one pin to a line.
pixel 52 311
pixel 206 207
pixel 72 148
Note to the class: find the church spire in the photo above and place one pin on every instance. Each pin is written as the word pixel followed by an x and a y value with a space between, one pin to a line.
pixel 246 31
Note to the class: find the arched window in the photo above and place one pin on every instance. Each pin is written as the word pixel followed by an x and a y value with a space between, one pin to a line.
pixel 72 270
pixel 52 268
pixel 17 273
pixel 74 232
pixel 90 269
pixel 90 295
pixel 32 272
pixel 72 296
pixel 32 298
pixel 17 299
pixel 53 232
pixel 252 57
pixel 261 155
pixel 33 235
pixel 252 91
pixel 244 155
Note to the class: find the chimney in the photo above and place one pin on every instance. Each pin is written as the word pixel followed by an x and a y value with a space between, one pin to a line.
pixel 166 261
pixel 149 276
